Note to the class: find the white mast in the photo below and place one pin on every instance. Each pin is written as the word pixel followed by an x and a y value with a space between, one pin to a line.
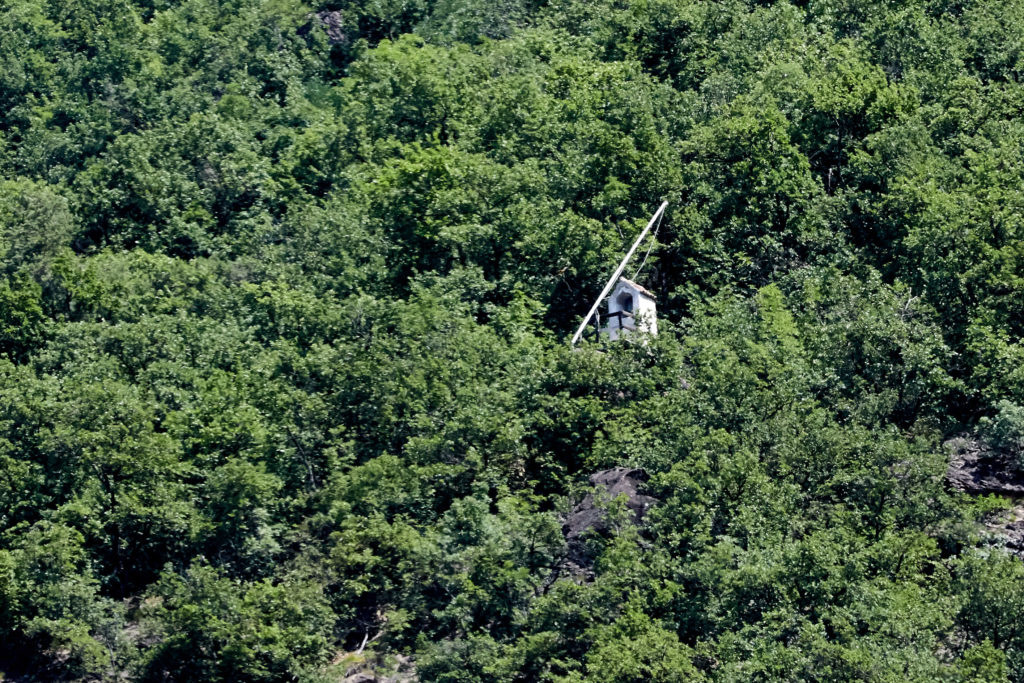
pixel 618 272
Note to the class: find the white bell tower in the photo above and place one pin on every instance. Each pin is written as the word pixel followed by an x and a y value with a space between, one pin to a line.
pixel 631 308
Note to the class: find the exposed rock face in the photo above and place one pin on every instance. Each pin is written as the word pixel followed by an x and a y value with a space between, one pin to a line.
pixel 590 516
pixel 977 468
pixel 1009 526
pixel 332 24
pixel 373 671
pixel 361 677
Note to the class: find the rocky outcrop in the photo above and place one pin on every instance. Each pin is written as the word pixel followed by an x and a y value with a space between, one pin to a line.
pixel 373 669
pixel 977 468
pixel 331 22
pixel 1008 527
pixel 590 516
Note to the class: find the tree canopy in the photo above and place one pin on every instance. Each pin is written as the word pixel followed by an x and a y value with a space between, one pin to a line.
pixel 285 294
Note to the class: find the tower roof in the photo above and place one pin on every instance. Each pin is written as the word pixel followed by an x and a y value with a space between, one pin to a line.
pixel 637 287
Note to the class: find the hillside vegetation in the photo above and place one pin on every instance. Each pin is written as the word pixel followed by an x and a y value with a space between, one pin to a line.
pixel 285 295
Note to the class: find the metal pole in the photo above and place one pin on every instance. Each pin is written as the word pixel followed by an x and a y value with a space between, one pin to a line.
pixel 618 272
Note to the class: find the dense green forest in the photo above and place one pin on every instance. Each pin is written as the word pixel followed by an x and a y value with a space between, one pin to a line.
pixel 286 290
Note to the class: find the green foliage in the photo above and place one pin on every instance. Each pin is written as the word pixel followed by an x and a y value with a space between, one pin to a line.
pixel 216 629
pixel 52 602
pixel 635 649
pixel 284 288
pixel 1006 429
pixel 991 591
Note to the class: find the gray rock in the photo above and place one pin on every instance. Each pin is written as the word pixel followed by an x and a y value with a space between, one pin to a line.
pixel 590 515
pixel 331 21
pixel 361 677
pixel 977 468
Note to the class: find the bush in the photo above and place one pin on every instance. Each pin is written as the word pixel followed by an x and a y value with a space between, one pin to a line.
pixel 1006 430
